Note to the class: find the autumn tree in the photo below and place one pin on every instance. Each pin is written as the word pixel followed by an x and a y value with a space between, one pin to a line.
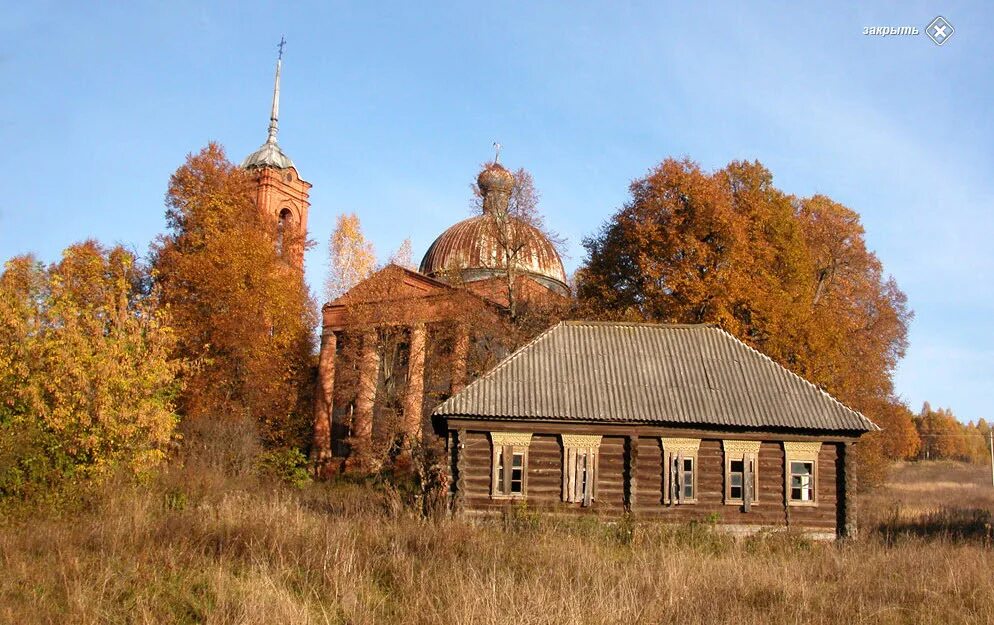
pixel 242 315
pixel 403 256
pixel 351 257
pixel 87 374
pixel 789 276
pixel 944 437
pixel 900 439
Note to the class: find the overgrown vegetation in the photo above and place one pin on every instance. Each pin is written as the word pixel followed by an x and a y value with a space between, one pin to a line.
pixel 214 541
pixel 87 374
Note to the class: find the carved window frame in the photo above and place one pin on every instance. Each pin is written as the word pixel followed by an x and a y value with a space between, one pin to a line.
pixel 676 451
pixel 507 445
pixel 808 452
pixel 748 453
pixel 580 452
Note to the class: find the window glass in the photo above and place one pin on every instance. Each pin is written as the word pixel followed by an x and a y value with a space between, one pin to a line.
pixel 735 479
pixel 688 478
pixel 517 473
pixel 801 482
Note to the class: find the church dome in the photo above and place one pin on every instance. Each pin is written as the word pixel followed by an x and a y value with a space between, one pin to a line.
pixel 495 178
pixel 471 250
pixel 269 155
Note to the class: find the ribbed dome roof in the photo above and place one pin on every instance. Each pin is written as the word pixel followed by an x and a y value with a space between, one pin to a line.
pixel 471 248
pixel 269 155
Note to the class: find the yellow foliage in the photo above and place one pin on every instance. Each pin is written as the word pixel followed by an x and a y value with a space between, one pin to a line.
pixel 352 259
pixel 87 379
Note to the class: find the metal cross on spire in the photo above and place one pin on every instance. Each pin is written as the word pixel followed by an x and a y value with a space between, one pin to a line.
pixel 274 116
pixel 496 152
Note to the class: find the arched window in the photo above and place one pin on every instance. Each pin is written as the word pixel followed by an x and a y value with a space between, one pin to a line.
pixel 284 227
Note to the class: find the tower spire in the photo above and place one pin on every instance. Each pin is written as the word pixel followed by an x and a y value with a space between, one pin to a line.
pixel 275 115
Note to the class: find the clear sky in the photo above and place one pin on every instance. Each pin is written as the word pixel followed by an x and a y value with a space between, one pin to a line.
pixel 389 109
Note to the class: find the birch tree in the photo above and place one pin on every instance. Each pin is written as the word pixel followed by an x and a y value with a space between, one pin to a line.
pixel 351 257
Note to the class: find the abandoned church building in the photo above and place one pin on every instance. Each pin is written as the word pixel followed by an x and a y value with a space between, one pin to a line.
pixel 667 422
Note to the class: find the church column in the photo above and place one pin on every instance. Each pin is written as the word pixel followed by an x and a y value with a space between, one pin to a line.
pixel 324 397
pixel 369 368
pixel 459 356
pixel 414 394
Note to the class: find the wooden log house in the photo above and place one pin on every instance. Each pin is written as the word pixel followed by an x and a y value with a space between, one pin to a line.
pixel 668 422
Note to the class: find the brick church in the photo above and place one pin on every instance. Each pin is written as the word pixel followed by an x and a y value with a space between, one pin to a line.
pixel 397 344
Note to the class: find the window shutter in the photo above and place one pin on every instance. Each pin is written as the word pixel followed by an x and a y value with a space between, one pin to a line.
pixel 588 484
pixel 508 470
pixel 494 473
pixel 578 467
pixel 747 481
pixel 595 475
pixel 569 471
pixel 674 484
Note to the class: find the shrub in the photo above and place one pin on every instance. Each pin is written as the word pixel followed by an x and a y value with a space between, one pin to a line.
pixel 288 466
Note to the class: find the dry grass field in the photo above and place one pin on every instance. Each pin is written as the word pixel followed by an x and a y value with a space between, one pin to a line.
pixel 208 543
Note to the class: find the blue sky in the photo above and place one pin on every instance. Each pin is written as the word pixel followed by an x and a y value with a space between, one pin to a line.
pixel 388 109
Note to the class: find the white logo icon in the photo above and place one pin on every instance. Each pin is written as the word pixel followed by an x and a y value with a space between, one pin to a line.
pixel 940 30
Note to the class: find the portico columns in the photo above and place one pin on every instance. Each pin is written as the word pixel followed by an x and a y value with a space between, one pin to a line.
pixel 459 355
pixel 369 367
pixel 415 391
pixel 324 398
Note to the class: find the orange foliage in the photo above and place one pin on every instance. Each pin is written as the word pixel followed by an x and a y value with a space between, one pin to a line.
pixel 242 315
pixel 789 276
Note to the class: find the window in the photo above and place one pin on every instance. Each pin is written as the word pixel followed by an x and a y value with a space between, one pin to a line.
pixel 514 483
pixel 509 474
pixel 688 478
pixel 680 470
pixel 283 224
pixel 801 461
pixel 802 484
pixel 741 473
pixel 580 460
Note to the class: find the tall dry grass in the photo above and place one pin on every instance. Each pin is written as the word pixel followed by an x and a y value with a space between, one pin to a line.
pixel 208 544
pixel 934 499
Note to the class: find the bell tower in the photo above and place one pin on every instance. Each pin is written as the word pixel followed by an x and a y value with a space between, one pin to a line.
pixel 281 194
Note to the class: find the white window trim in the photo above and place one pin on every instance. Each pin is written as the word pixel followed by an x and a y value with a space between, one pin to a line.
pixel 586 447
pixel 744 451
pixel 796 451
pixel 519 443
pixel 679 449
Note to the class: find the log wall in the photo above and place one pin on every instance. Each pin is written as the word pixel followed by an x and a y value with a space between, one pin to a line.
pixel 544 483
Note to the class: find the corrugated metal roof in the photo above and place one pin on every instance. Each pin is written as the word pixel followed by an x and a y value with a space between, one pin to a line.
pixel 632 372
